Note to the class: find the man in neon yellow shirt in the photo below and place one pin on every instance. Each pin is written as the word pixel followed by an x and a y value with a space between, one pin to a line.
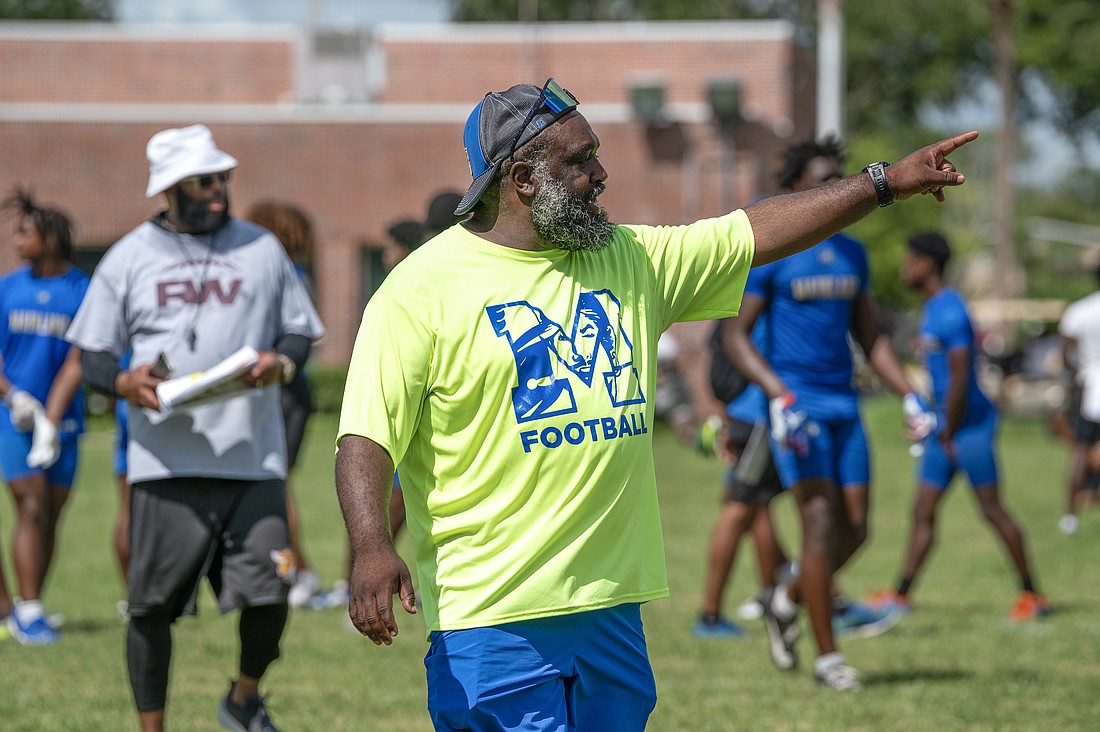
pixel 508 366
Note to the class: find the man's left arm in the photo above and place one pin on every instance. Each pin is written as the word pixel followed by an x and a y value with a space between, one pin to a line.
pixel 958 388
pixel 786 224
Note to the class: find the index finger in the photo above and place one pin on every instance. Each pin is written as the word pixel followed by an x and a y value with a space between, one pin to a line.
pixel 945 147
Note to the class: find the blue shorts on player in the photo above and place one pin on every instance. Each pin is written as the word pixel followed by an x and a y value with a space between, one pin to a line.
pixel 584 671
pixel 14 448
pixel 837 445
pixel 122 436
pixel 974 455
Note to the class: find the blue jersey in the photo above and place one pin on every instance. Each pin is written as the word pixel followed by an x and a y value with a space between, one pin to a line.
pixel 945 327
pixel 34 314
pixel 751 405
pixel 810 296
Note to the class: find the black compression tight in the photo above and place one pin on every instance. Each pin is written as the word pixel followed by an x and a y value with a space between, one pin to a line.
pixel 148 653
pixel 261 628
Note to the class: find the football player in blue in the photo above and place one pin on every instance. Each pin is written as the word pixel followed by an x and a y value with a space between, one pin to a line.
pixel 966 428
pixel 813 300
pixel 42 411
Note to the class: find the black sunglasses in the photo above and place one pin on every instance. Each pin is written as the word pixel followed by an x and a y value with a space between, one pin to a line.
pixel 202 182
pixel 553 97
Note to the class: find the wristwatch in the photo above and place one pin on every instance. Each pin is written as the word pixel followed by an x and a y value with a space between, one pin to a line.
pixel 289 369
pixel 877 171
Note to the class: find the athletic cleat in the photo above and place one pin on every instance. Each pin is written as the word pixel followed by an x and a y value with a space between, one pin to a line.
pixel 890 601
pixel 1029 606
pixel 839 677
pixel 305 587
pixel 54 619
pixel 717 627
pixel 35 633
pixel 857 620
pixel 252 717
pixel 336 597
pixel 750 609
pixel 1068 524
pixel 782 633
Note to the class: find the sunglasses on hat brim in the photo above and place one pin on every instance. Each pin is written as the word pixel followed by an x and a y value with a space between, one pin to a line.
pixel 553 97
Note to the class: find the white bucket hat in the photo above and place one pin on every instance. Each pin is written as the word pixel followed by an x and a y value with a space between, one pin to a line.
pixel 181 153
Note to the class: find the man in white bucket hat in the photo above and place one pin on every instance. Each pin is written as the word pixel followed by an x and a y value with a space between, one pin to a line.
pixel 182 292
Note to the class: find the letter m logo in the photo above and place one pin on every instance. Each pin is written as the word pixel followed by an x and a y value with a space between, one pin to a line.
pixel 546 356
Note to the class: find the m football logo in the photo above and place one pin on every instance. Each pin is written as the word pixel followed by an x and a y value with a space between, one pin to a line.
pixel 546 356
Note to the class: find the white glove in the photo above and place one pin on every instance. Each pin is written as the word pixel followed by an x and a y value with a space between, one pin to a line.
pixel 790 427
pixel 921 419
pixel 23 408
pixel 45 444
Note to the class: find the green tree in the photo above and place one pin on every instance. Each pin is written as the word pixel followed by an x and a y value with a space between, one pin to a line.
pixel 57 9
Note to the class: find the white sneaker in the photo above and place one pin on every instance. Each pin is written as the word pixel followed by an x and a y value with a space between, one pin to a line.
pixel 750 609
pixel 307 585
pixel 1068 524
pixel 839 677
pixel 783 632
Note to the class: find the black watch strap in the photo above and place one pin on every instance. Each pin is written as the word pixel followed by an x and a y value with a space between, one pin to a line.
pixel 877 171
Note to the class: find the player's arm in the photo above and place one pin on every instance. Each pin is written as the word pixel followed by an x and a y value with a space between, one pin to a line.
pixel 737 343
pixel 876 346
pixel 5 385
pixel 364 483
pixel 64 386
pixel 958 387
pixel 787 224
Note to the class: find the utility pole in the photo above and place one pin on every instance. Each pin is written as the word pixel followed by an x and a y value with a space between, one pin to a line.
pixel 830 68
pixel 1010 278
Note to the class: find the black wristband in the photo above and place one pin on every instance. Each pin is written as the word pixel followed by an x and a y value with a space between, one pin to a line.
pixel 877 171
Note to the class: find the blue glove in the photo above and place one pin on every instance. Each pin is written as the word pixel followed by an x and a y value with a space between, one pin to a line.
pixel 920 418
pixel 791 427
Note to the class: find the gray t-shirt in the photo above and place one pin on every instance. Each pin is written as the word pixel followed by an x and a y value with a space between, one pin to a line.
pixel 198 298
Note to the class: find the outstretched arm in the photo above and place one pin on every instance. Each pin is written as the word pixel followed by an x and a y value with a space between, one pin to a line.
pixel 787 224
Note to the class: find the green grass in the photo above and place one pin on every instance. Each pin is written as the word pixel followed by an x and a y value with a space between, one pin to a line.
pixel 955 664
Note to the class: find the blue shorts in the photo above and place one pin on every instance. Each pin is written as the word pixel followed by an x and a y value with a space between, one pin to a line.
pixel 587 672
pixel 974 454
pixel 14 448
pixel 838 452
pixel 122 436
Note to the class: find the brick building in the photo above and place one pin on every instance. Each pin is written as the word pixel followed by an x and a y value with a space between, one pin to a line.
pixel 363 127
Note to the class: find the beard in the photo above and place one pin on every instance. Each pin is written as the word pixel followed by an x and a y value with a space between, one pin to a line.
pixel 568 221
pixel 194 215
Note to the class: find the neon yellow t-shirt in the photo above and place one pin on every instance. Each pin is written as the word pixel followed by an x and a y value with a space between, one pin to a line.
pixel 515 389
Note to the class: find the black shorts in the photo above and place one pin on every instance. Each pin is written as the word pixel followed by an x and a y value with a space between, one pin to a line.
pixel 1085 430
pixel 754 479
pixel 233 532
pixel 297 403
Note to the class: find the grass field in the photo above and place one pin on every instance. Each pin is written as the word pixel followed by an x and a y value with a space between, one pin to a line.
pixel 955 664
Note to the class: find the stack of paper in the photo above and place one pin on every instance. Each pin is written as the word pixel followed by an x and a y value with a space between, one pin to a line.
pixel 217 382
